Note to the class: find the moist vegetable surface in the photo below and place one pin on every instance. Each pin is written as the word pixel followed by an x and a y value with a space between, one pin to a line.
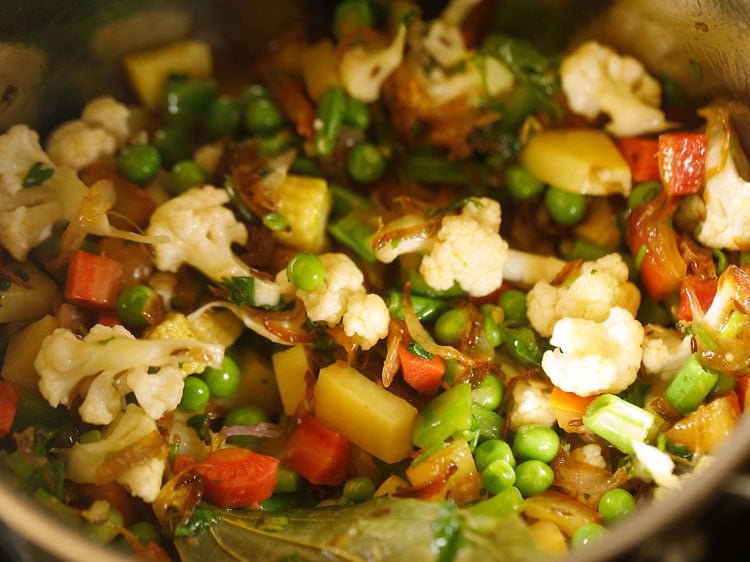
pixel 413 290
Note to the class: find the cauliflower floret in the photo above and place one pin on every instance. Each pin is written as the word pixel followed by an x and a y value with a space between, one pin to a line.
pixel 201 232
pixel 366 319
pixel 531 405
pixel 109 363
pixel 649 463
pixel 595 358
pixel 596 79
pixel 590 453
pixel 468 250
pixel 595 289
pixel 444 41
pixel 527 269
pixel 104 127
pixel 131 427
pixel 726 193
pixel 362 71
pixel 664 351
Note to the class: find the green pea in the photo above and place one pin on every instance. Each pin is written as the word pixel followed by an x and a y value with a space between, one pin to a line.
pixel 536 442
pixel 222 117
pixel 359 489
pixel 365 163
pixel 351 15
pixel 533 477
pixel 513 303
pixel 492 450
pixel 522 184
pixel 449 327
pixel 131 304
pixel 245 415
pixel 195 394
pixel 224 381
pixel 565 207
pixel 251 93
pixel 173 144
pixel 616 504
pixel 263 117
pixel 356 113
pixel 306 271
pixel 586 534
pixel 286 480
pixel 489 393
pixel 139 163
pixel 498 476
pixel 188 99
pixel 145 532
pixel 490 327
pixel 184 175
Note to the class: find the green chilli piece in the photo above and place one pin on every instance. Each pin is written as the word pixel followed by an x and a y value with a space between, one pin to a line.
pixel 508 502
pixel 139 163
pixel 618 422
pixel 448 413
pixel 565 207
pixel 330 116
pixel 131 304
pixel 306 271
pixel 365 162
pixel 691 385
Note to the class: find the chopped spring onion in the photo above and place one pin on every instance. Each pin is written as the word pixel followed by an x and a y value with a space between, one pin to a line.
pixel 618 422
pixel 690 386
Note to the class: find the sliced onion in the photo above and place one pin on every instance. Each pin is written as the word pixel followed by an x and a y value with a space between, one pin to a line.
pixel 136 453
pixel 392 364
pixel 584 480
pixel 264 430
pixel 562 510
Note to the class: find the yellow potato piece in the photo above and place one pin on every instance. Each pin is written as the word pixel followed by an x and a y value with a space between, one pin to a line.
pixel 257 385
pixel 376 420
pixel 148 70
pixel 23 347
pixel 305 203
pixel 584 161
pixel 290 367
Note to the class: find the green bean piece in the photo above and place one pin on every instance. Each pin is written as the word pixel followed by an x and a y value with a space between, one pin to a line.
pixel 139 163
pixel 587 534
pixel 195 394
pixel 306 271
pixel 450 326
pixel 491 450
pixel 446 414
pixel 536 442
pixel 222 381
pixel 489 393
pixel 428 168
pixel 223 117
pixel 330 116
pixel 522 184
pixel 132 303
pixel 691 385
pixel 508 502
pixel 359 489
pixel 356 113
pixel 425 308
pixel 513 303
pixel 188 99
pixel 615 505
pixel 263 117
pixel 565 207
pixel 365 163
pixel 533 477
pixel 498 476
pixel 643 193
pixel 351 15
pixel 184 175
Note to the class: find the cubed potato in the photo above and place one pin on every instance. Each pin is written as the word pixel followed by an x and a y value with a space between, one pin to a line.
pixel 305 202
pixel 28 301
pixel 371 417
pixel 319 68
pixel 290 367
pixel 23 347
pixel 148 70
pixel 582 161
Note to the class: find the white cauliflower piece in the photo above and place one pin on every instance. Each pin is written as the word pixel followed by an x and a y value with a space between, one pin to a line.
pixel 527 269
pixel 726 193
pixel 531 405
pixel 590 453
pixel 444 41
pixel 651 464
pixel 109 363
pixel 597 80
pixel 362 71
pixel 131 427
pixel 468 250
pixel 200 233
pixel 595 357
pixel 366 319
pixel 104 127
pixel 664 351
pixel 595 289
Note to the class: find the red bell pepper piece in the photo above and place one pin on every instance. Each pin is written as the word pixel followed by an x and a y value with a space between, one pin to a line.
pixel 653 242
pixel 317 452
pixel 682 162
pixel 642 155
pixel 235 477
pixel 423 375
pixel 9 397
pixel 93 280
pixel 695 292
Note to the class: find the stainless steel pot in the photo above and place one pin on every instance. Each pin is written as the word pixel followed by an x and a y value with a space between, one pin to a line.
pixel 53 56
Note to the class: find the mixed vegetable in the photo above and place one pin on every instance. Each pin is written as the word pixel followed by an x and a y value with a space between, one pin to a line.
pixel 410 290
